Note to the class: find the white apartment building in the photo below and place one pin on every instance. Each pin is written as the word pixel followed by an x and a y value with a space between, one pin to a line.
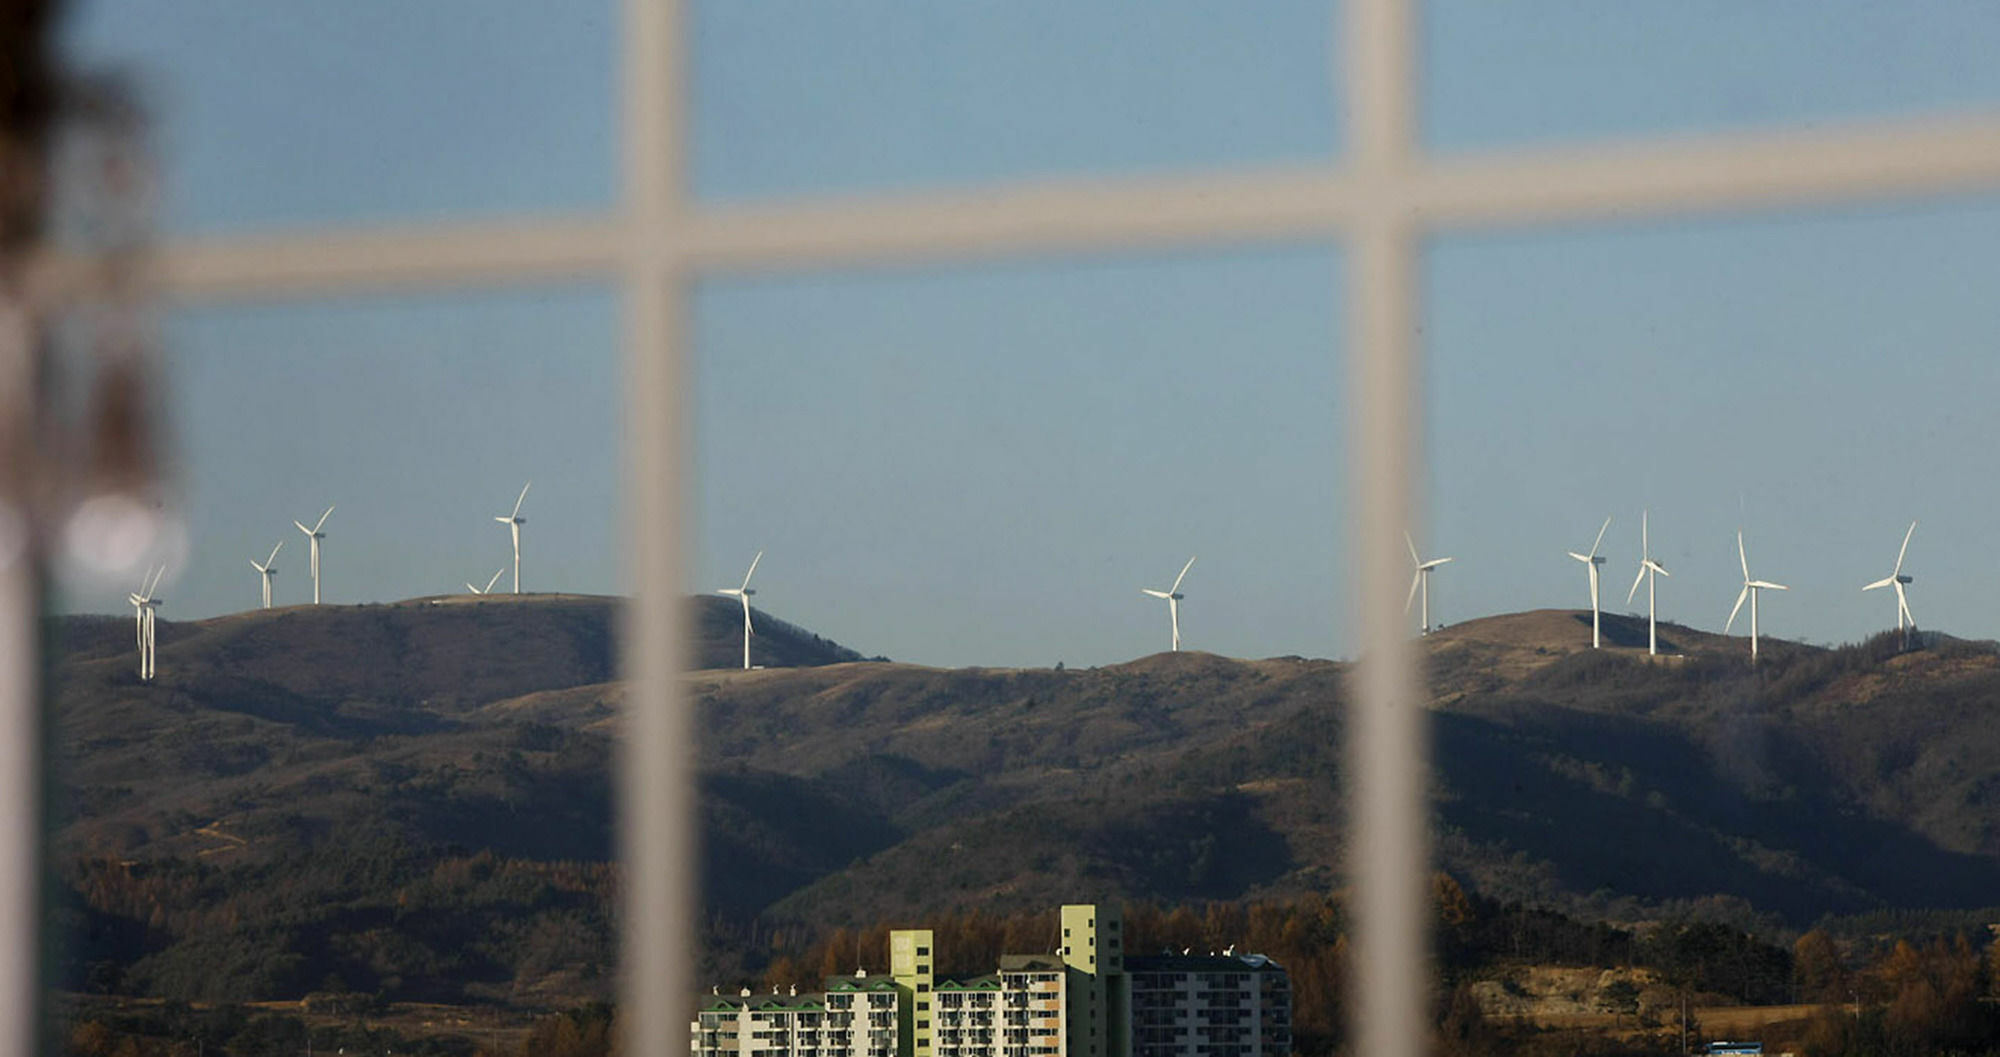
pixel 852 1018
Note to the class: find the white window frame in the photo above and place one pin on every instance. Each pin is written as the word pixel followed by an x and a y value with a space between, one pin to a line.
pixel 1379 200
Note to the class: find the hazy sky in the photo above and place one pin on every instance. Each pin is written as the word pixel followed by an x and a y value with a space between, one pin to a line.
pixel 983 464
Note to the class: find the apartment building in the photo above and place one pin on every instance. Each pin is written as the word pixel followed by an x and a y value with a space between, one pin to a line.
pixel 856 1017
pixel 1086 999
pixel 1215 1005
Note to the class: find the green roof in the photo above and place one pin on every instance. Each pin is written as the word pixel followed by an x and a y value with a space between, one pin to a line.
pixel 977 983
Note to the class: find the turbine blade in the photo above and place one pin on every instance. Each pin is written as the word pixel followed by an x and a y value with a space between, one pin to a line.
pixel 302 526
pixel 1435 562
pixel 1579 557
pixel 752 572
pixel 1657 567
pixel 322 518
pixel 1600 537
pixel 1906 549
pixel 521 498
pixel 1182 576
pixel 1414 581
pixel 1737 608
pixel 1414 560
pixel 1155 594
pixel 274 552
pixel 1636 581
pixel 1645 544
pixel 472 589
pixel 1742 555
pixel 496 578
pixel 254 565
pixel 1766 585
pixel 748 628
pixel 1884 582
pixel 1903 605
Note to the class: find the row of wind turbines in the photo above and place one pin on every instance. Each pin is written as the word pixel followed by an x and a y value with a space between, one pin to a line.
pixel 146 603
pixel 1650 570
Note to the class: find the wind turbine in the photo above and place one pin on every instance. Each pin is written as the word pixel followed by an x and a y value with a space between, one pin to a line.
pixel 742 595
pixel 1173 596
pixel 1592 561
pixel 488 589
pixel 267 570
pixel 144 606
pixel 1904 618
pixel 1751 589
pixel 1649 571
pixel 1421 579
pixel 315 535
pixel 514 521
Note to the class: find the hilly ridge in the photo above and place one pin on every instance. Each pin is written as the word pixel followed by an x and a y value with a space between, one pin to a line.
pixel 335 766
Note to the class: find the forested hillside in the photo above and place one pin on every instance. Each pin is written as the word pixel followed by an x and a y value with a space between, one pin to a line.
pixel 415 800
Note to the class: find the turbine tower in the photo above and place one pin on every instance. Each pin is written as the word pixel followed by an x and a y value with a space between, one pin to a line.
pixel 1173 596
pixel 1751 589
pixel 514 521
pixel 1905 620
pixel 1422 579
pixel 742 595
pixel 1592 561
pixel 1649 571
pixel 267 570
pixel 488 589
pixel 315 535
pixel 144 606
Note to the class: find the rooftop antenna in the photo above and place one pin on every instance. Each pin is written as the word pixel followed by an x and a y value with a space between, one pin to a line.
pixel 1173 596
pixel 1592 561
pixel 1421 582
pixel 1751 589
pixel 742 594
pixel 514 521
pixel 1649 570
pixel 1905 620
pixel 315 535
pixel 268 570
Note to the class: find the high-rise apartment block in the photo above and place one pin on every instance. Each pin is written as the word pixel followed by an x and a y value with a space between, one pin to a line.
pixel 1087 999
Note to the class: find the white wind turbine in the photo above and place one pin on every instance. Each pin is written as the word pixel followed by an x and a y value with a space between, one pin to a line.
pixel 315 535
pixel 1751 589
pixel 1173 596
pixel 1649 571
pixel 268 569
pixel 514 521
pixel 144 606
pixel 742 594
pixel 1592 561
pixel 1422 580
pixel 1905 620
pixel 488 589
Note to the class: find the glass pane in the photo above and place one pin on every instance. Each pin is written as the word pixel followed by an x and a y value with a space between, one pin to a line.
pixel 370 111
pixel 804 97
pixel 1560 70
pixel 1803 782
pixel 400 794
pixel 984 467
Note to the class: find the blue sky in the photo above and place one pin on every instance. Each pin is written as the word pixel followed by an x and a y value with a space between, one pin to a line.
pixel 984 463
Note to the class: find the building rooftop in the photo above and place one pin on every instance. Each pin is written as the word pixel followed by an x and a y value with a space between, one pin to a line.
pixel 1182 963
